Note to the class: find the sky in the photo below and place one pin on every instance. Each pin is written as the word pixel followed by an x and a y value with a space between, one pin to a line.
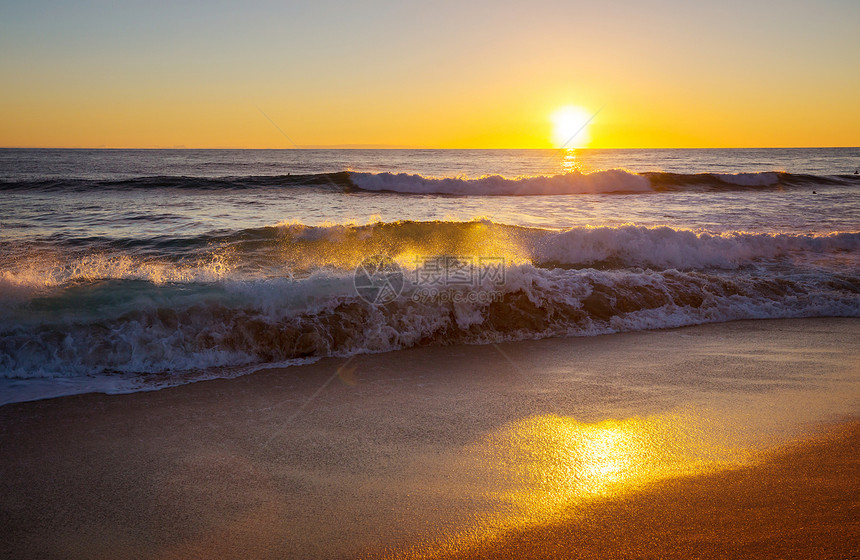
pixel 265 74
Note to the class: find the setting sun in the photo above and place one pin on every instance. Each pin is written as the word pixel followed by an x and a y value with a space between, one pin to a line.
pixel 570 127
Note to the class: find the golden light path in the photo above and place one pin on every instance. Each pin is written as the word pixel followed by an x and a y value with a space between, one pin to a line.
pixel 546 466
pixel 561 461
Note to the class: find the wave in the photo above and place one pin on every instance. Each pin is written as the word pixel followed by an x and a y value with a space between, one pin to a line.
pixel 776 180
pixel 598 182
pixel 297 250
pixel 664 247
pixel 289 292
pixel 610 181
pixel 337 180
pixel 137 327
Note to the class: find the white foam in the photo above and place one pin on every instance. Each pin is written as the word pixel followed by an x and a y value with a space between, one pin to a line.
pixel 608 181
pixel 665 247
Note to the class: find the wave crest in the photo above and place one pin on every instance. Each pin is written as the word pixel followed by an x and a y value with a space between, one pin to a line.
pixel 664 247
pixel 297 250
pixel 609 181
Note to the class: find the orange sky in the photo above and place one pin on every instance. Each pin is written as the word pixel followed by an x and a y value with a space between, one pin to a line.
pixel 446 75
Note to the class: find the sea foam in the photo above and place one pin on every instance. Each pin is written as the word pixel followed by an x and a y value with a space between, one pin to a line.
pixel 609 181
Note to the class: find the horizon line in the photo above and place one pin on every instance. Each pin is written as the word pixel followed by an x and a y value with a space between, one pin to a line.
pixel 399 147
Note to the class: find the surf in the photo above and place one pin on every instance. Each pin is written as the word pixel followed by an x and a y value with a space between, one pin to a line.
pixel 289 292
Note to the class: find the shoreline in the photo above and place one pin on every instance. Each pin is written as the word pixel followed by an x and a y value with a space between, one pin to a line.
pixel 59 387
pixel 377 453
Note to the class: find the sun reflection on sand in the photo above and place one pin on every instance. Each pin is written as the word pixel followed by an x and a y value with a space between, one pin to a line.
pixel 544 467
pixel 559 461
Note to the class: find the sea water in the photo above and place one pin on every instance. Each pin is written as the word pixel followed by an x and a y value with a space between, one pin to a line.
pixel 125 270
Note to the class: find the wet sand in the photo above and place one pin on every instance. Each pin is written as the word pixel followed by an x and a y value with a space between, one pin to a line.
pixel 801 501
pixel 711 441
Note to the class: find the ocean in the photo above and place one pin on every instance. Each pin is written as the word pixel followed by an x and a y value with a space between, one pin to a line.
pixel 129 270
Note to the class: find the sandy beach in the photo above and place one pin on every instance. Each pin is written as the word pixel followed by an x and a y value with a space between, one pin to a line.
pixel 716 441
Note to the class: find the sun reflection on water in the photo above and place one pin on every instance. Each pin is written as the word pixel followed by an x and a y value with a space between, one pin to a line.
pixel 569 163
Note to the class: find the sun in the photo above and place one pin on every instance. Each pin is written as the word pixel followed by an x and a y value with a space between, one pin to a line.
pixel 570 127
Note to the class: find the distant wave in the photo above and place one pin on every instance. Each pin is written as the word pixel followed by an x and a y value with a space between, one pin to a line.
pixel 338 180
pixel 598 182
pixel 740 181
pixel 611 181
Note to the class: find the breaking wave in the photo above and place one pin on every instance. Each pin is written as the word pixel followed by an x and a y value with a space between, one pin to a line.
pixel 611 181
pixel 295 249
pixel 270 295
pixel 137 327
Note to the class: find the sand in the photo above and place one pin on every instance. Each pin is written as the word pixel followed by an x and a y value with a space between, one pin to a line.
pixel 727 440
pixel 801 501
